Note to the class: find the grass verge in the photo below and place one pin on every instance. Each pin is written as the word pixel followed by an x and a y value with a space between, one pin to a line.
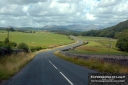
pixel 95 64
pixel 9 65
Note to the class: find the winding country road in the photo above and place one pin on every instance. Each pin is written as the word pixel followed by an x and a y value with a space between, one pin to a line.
pixel 47 69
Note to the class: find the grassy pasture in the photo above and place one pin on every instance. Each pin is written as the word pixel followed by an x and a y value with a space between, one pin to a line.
pixel 44 39
pixel 102 40
pixel 11 64
pixel 98 45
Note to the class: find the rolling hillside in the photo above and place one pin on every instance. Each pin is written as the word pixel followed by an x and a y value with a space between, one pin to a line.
pixel 111 31
pixel 108 32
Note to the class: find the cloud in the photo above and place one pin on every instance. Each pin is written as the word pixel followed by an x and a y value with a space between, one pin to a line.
pixel 62 12
pixel 13 10
pixel 22 2
pixel 106 3
pixel 68 1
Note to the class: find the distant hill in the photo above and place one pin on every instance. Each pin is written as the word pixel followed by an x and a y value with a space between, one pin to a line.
pixel 54 27
pixel 72 27
pixel 75 27
pixel 111 31
pixel 17 28
pixel 93 27
pixel 2 28
pixel 107 32
pixel 119 27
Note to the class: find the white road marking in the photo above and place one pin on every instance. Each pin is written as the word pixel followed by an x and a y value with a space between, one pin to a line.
pixel 50 62
pixel 61 73
pixel 66 78
pixel 55 67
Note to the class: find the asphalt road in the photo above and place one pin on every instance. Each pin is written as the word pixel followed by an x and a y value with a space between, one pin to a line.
pixel 47 69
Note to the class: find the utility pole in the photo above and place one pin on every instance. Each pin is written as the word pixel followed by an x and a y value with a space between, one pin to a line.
pixel 8 33
pixel 7 39
pixel 109 45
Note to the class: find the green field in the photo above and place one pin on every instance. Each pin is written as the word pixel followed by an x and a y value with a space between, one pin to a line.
pixel 43 39
pixel 11 64
pixel 98 45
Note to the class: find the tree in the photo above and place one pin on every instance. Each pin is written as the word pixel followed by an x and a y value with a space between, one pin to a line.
pixel 24 47
pixel 91 33
pixel 121 34
pixel 122 43
pixel 110 34
pixel 6 40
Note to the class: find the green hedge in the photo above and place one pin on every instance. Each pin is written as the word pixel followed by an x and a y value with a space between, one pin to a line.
pixel 33 49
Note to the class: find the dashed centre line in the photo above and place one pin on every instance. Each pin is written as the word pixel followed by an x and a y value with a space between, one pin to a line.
pixel 50 62
pixel 60 72
pixel 55 67
pixel 66 78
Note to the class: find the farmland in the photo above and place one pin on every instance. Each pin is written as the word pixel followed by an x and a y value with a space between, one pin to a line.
pixel 98 45
pixel 10 64
pixel 43 39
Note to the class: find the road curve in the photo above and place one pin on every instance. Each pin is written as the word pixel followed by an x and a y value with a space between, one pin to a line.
pixel 47 69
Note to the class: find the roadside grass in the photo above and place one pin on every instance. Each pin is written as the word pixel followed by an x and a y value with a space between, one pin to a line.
pixel 95 64
pixel 43 39
pixel 9 65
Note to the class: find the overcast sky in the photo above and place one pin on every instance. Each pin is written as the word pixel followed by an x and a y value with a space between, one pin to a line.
pixel 38 13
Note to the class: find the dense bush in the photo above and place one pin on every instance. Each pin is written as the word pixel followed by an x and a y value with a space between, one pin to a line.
pixel 1 52
pixel 122 43
pixel 9 49
pixel 35 48
pixel 12 44
pixel 5 48
pixel 1 44
pixel 6 40
pixel 24 47
pixel 39 48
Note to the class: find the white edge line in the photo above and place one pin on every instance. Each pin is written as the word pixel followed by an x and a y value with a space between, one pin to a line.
pixel 66 78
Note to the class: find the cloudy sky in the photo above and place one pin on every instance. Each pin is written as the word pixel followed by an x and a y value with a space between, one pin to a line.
pixel 38 13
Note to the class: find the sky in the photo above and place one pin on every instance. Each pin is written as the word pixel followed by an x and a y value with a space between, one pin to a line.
pixel 38 13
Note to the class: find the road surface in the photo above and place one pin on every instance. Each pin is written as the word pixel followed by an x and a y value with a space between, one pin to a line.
pixel 47 69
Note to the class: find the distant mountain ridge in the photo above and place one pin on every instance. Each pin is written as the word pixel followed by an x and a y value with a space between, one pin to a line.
pixel 94 27
pixel 73 27
pixel 61 27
